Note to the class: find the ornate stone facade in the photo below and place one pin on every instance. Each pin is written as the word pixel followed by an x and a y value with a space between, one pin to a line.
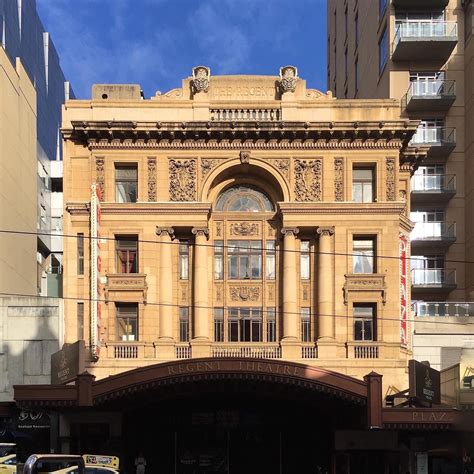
pixel 339 179
pixel 151 179
pixel 100 175
pixel 390 178
pixel 182 179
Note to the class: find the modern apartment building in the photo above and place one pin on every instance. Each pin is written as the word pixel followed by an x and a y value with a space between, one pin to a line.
pixel 26 261
pixel 421 52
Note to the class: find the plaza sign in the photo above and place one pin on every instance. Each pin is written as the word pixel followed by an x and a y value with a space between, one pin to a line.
pixel 424 382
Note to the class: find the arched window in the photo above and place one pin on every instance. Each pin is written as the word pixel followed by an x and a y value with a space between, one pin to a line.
pixel 244 198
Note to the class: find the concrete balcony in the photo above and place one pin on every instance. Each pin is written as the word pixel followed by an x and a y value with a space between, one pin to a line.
pixel 424 40
pixel 430 95
pixel 432 188
pixel 432 235
pixel 436 281
pixel 441 140
pixel 449 309
pixel 421 4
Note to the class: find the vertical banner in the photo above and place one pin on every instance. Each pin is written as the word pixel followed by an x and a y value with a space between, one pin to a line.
pixel 403 253
pixel 96 290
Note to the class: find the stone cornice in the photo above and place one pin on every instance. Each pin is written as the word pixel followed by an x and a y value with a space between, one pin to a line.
pixel 159 208
pixel 289 208
pixel 406 224
pixel 240 134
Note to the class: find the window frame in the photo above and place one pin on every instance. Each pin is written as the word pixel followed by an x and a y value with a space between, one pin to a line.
pixel 183 259
pixel 80 253
pixel 305 260
pixel 365 253
pixel 219 324
pixel 80 320
pixel 121 238
pixel 128 336
pixel 305 324
pixel 363 181
pixel 184 324
pixel 363 319
pixel 237 254
pixel 244 320
pixel 125 166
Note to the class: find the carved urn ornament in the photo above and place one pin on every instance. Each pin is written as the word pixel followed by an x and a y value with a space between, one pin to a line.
pixel 201 75
pixel 288 78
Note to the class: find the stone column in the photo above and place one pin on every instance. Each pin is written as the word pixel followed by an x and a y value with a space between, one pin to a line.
pixel 201 303
pixel 325 279
pixel 165 286
pixel 290 280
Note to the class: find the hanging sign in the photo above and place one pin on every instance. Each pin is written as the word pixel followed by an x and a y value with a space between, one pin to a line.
pixel 96 289
pixel 403 253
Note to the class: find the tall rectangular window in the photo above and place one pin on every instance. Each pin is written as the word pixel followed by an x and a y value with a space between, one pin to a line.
pixel 244 259
pixel 364 322
pixel 183 324
pixel 363 255
pixel 383 50
pixel 127 321
pixel 245 324
pixel 305 260
pixel 363 184
pixel 126 247
pixel 80 254
pixel 218 324
pixel 80 321
pixel 305 325
pixel 270 260
pixel 271 325
pixel 184 260
pixel 126 183
pixel 218 260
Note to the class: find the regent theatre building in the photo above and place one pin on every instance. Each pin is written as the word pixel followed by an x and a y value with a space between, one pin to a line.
pixel 236 264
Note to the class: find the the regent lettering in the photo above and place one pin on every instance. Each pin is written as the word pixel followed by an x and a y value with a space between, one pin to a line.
pixel 257 91
pixel 280 369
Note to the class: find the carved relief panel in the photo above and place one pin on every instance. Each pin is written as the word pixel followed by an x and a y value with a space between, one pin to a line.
pixel 390 178
pixel 245 294
pixel 100 175
pixel 244 229
pixel 339 179
pixel 308 180
pixel 182 180
pixel 151 179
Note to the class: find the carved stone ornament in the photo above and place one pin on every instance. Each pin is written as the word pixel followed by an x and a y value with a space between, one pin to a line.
pixel 218 229
pixel 290 230
pixel 308 176
pixel 100 176
pixel 244 228
pixel 390 170
pixel 165 230
pixel 288 78
pixel 339 179
pixel 402 195
pixel 244 293
pixel 325 231
pixel 245 157
pixel 283 166
pixel 151 179
pixel 208 165
pixel 201 75
pixel 182 180
pixel 202 231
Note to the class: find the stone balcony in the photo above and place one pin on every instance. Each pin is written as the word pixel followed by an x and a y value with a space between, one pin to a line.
pixel 126 287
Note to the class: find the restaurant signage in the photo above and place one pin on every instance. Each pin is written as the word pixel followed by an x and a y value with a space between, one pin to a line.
pixel 67 363
pixel 95 282
pixel 424 382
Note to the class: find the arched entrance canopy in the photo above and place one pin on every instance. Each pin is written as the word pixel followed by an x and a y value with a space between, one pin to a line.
pixel 185 371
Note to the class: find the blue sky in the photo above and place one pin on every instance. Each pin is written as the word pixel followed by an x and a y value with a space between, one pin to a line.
pixel 157 42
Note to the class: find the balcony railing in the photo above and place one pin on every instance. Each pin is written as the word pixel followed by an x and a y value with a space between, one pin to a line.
pixel 434 231
pixel 434 136
pixel 264 115
pixel 430 95
pixel 433 183
pixel 443 309
pixel 183 351
pixel 246 350
pixel 424 40
pixel 309 351
pixel 433 277
pixel 363 350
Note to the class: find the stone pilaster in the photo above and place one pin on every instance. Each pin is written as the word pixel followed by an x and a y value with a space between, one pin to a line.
pixel 290 279
pixel 200 282
pixel 326 283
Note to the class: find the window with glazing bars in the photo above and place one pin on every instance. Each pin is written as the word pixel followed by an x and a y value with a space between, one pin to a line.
pixel 363 255
pixel 271 325
pixel 363 184
pixel 127 321
pixel 184 260
pixel 218 260
pixel 364 322
pixel 80 254
pixel 305 324
pixel 244 324
pixel 305 260
pixel 244 259
pixel 184 324
pixel 126 183
pixel 218 324
pixel 127 253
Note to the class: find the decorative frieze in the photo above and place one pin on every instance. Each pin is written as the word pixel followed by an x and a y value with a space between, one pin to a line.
pixel 151 179
pixel 219 229
pixel 390 178
pixel 184 291
pixel 244 293
pixel 218 287
pixel 271 292
pixel 308 177
pixel 100 175
pixel 182 180
pixel 283 166
pixel 208 165
pixel 339 179
pixel 244 228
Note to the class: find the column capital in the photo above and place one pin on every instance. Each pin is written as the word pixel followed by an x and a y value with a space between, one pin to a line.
pixel 290 230
pixel 326 231
pixel 202 231
pixel 165 231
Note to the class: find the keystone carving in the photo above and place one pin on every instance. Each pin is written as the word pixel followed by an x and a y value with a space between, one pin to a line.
pixel 244 228
pixel 245 157
pixel 100 176
pixel 151 179
pixel 390 170
pixel 308 174
pixel 288 78
pixel 201 76
pixel 182 176
pixel 339 179
pixel 244 293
